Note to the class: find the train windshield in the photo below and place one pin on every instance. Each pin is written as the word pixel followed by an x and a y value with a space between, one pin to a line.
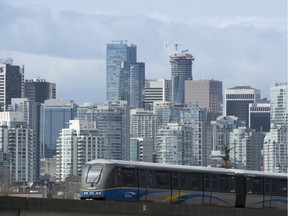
pixel 94 173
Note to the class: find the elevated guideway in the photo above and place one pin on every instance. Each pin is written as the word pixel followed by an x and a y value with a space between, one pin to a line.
pixel 19 206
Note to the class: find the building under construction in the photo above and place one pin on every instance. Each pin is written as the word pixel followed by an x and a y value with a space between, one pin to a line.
pixel 181 70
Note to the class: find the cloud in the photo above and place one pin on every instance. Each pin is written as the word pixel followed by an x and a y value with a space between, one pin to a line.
pixel 61 46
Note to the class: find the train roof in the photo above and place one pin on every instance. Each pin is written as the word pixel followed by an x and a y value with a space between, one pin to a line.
pixel 162 166
pixel 186 168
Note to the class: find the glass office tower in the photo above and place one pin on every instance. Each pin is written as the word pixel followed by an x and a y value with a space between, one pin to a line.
pixel 119 56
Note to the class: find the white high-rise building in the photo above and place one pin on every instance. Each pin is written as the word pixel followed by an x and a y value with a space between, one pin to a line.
pixel 18 142
pixel 166 112
pixel 275 150
pixel 221 129
pixel 174 145
pixel 245 145
pixel 113 124
pixel 196 118
pixel 143 123
pixel 76 145
pixel 279 104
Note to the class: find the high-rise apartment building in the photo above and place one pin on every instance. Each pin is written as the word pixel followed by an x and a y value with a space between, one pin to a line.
pixel 197 119
pixel 19 145
pixel 245 145
pixel 76 145
pixel 221 129
pixel 119 56
pixel 174 145
pixel 156 90
pixel 31 112
pixel 181 70
pixel 11 82
pixel 143 123
pixel 279 104
pixel 237 101
pixel 166 112
pixel 55 115
pixel 275 150
pixel 113 124
pixel 39 90
pixel 259 116
pixel 137 85
pixel 141 149
pixel 206 94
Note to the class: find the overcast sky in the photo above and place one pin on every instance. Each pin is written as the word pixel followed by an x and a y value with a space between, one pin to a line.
pixel 239 42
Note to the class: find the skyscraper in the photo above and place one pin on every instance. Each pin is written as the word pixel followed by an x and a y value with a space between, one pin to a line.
pixel 181 70
pixel 245 145
pixel 113 125
pixel 174 144
pixel 237 101
pixel 259 116
pixel 275 150
pixel 119 56
pixel 38 90
pixel 11 82
pixel 221 129
pixel 279 104
pixel 137 85
pixel 18 141
pixel 55 115
pixel 156 90
pixel 206 94
pixel 76 145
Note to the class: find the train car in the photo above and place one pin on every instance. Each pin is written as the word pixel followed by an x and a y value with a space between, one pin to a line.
pixel 150 182
pixel 264 190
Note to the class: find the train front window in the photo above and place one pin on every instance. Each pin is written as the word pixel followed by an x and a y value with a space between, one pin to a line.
pixel 94 173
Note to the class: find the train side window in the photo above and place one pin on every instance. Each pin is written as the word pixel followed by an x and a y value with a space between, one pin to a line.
pixel 282 188
pixel 162 179
pixel 142 178
pixel 254 186
pixel 257 186
pixel 267 186
pixel 127 177
pixel 214 182
pixel 273 186
pixel 207 182
pixel 175 180
pixel 150 178
pixel 224 184
pixel 183 181
pixel 195 182
pixel 231 184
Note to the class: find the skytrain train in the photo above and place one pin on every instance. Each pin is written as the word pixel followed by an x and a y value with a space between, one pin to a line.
pixel 165 183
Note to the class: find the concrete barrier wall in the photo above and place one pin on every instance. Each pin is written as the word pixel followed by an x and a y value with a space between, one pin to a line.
pixel 12 206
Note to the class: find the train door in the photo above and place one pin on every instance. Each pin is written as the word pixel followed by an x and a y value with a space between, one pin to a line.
pixel 127 182
pixel 143 186
pixel 207 194
pixel 240 191
pixel 176 187
pixel 158 186
pixel 267 193
pixel 254 192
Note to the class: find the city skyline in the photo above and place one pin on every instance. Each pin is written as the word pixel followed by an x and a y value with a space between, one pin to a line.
pixel 58 41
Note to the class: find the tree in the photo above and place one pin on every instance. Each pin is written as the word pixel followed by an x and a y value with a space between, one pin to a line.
pixel 226 157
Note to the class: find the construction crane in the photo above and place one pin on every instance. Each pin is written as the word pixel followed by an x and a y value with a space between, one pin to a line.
pixel 176 45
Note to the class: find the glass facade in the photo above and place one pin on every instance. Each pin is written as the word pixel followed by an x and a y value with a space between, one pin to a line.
pixel 118 55
pixel 54 117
